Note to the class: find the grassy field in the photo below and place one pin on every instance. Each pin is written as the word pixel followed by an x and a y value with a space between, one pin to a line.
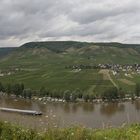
pixel 13 132
pixel 44 66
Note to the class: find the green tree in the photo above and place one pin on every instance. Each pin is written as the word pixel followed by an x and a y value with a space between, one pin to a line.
pixel 22 86
pixel 43 91
pixel 91 97
pixel 1 87
pixel 16 89
pixel 73 96
pixel 67 95
pixel 132 95
pixel 121 93
pixel 86 97
pixel 8 89
pixel 109 94
pixel 137 90
pixel 78 93
pixel 27 93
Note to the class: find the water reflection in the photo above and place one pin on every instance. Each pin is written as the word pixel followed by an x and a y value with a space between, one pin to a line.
pixel 63 114
pixel 109 109
pixel 137 105
pixel 66 108
pixel 87 107
pixel 74 108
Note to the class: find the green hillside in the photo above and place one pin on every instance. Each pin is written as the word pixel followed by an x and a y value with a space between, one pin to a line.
pixel 97 52
pixel 38 64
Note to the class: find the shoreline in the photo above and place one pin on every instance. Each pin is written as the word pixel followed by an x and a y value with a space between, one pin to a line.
pixel 46 100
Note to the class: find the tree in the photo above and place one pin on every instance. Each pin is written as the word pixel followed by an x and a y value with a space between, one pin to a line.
pixel 24 93
pixel 73 96
pixel 22 86
pixel 27 93
pixel 91 97
pixel 86 97
pixel 57 94
pixel 16 89
pixel 121 93
pixel 110 93
pixel 1 87
pixel 67 95
pixel 43 91
pixel 78 93
pixel 132 95
pixel 8 89
pixel 137 90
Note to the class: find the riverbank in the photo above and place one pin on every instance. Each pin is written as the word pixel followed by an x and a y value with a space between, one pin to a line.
pixel 46 99
pixel 13 132
pixel 49 99
pixel 42 94
pixel 66 114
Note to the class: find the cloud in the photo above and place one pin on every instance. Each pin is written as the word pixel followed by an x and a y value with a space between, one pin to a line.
pixel 90 20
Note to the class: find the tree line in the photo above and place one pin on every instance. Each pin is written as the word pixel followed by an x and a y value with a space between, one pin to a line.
pixel 16 89
pixel 109 94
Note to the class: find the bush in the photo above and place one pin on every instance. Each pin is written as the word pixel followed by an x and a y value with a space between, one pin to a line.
pixel 86 97
pixel 27 93
pixel 137 90
pixel 110 94
pixel 13 132
pixel 67 95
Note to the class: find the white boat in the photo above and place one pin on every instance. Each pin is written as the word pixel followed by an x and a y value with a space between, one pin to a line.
pixel 29 112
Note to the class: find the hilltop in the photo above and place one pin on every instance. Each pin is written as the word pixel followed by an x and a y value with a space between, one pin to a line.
pixel 98 52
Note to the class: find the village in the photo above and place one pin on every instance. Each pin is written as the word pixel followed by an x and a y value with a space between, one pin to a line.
pixel 115 68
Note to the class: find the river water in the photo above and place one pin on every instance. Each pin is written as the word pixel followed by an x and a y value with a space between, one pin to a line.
pixel 66 114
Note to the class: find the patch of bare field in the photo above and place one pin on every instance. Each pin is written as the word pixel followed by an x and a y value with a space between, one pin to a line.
pixel 26 69
pixel 128 82
pixel 76 70
pixel 106 76
pixel 130 76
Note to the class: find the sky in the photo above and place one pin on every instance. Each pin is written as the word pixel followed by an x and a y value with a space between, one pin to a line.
pixel 23 21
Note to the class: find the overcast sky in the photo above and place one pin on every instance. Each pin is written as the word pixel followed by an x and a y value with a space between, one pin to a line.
pixel 85 20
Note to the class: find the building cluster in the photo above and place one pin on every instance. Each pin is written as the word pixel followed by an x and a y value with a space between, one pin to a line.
pixel 119 67
pixel 116 68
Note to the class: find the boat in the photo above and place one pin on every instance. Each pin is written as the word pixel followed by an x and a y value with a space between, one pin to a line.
pixel 28 112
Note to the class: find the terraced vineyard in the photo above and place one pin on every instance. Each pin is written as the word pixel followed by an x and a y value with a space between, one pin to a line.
pixel 44 64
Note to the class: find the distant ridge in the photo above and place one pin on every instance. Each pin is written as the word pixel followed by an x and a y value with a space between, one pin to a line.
pixel 62 46
pixel 102 52
pixel 57 46
pixel 6 50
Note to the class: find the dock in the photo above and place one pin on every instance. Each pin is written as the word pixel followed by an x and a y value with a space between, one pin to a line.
pixel 28 112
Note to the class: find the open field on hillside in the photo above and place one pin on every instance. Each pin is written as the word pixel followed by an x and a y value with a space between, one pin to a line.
pixel 128 82
pixel 38 66
pixel 52 74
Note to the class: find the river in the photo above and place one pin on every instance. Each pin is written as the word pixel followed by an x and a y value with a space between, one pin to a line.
pixel 90 115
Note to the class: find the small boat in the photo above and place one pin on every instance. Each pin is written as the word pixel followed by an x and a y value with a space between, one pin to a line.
pixel 28 112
